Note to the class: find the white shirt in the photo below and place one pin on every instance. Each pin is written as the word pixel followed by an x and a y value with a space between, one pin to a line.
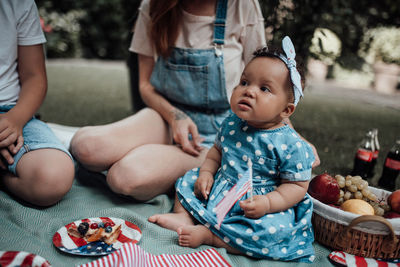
pixel 244 33
pixel 19 25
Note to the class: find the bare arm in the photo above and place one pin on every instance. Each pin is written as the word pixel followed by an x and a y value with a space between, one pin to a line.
pixel 32 76
pixel 33 81
pixel 285 196
pixel 180 123
pixel 153 99
pixel 208 169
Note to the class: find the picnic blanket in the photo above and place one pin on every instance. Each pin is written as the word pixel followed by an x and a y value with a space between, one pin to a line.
pixel 24 227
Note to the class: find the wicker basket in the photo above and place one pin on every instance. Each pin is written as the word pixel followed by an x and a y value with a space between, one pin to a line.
pixel 367 236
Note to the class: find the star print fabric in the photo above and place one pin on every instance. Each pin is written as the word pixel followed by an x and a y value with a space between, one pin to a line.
pixel 276 154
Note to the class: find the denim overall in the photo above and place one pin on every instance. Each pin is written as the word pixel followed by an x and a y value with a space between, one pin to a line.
pixel 193 80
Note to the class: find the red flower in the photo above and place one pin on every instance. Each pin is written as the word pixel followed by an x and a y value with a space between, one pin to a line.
pixel 46 28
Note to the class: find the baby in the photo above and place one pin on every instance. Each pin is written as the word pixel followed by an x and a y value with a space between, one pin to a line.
pixel 275 223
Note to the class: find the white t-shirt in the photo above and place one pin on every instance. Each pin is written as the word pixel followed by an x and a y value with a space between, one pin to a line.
pixel 244 33
pixel 19 25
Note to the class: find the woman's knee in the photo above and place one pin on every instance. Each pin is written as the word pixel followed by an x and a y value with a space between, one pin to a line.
pixel 84 143
pixel 130 180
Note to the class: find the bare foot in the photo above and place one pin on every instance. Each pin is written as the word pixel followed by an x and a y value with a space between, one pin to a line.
pixel 194 236
pixel 171 221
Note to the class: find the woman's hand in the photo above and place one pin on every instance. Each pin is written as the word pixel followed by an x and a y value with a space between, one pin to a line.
pixel 317 161
pixel 182 125
pixel 255 208
pixel 179 122
pixel 203 185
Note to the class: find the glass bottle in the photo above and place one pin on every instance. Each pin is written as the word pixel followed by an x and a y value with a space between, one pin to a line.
pixel 391 168
pixel 364 155
pixel 375 154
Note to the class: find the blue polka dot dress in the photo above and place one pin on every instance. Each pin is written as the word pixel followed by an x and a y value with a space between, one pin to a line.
pixel 278 153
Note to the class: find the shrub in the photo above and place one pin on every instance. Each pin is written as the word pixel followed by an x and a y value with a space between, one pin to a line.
pixel 381 44
pixel 63 32
pixel 325 46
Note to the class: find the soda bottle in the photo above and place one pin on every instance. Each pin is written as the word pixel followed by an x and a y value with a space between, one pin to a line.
pixel 364 155
pixel 391 168
pixel 375 153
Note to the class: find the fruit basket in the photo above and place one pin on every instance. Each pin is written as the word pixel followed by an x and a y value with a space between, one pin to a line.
pixel 362 235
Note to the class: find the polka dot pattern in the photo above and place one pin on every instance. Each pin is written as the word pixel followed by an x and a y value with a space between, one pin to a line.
pixel 275 235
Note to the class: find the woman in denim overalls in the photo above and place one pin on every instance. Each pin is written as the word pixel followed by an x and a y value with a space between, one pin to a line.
pixel 186 91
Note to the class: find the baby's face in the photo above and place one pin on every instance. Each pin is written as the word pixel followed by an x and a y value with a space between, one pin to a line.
pixel 261 98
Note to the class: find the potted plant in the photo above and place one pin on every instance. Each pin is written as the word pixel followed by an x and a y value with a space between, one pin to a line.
pixel 325 48
pixel 380 47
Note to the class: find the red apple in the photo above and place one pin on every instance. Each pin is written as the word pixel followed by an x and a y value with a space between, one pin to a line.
pixel 394 201
pixel 391 215
pixel 325 188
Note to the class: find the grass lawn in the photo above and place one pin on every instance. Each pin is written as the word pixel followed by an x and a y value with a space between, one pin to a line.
pixel 93 93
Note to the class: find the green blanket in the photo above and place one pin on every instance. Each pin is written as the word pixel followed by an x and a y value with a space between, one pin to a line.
pixel 27 228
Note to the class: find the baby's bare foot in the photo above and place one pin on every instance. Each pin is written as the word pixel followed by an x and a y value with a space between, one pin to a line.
pixel 171 221
pixel 194 236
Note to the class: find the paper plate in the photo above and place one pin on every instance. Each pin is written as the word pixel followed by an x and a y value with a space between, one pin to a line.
pixel 21 258
pixel 79 246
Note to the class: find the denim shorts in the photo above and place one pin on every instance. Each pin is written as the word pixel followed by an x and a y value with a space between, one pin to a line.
pixel 37 135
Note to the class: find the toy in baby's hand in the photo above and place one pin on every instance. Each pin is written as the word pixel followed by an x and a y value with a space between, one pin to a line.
pixel 107 232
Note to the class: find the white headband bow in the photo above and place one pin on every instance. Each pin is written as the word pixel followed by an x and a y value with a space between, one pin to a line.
pixel 288 48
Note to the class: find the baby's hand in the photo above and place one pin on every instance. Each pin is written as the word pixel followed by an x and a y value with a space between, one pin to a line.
pixel 203 185
pixel 255 209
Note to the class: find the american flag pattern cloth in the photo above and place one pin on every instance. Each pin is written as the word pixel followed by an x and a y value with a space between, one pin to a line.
pixel 243 185
pixel 345 259
pixel 132 255
pixel 77 245
pixel 21 258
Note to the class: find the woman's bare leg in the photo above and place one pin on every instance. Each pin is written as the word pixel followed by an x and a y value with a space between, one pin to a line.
pixel 138 153
pixel 179 217
pixel 44 176
pixel 99 147
pixel 195 235
pixel 150 170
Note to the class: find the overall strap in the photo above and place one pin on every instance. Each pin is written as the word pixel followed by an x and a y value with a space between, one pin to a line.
pixel 219 23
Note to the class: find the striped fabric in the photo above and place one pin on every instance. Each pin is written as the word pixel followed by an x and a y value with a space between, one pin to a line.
pixel 345 259
pixel 21 258
pixel 131 255
pixel 244 184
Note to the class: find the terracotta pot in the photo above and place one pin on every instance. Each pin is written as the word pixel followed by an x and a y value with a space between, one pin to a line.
pixel 386 77
pixel 317 70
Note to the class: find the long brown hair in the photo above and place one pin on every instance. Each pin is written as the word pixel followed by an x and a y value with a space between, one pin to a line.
pixel 165 20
